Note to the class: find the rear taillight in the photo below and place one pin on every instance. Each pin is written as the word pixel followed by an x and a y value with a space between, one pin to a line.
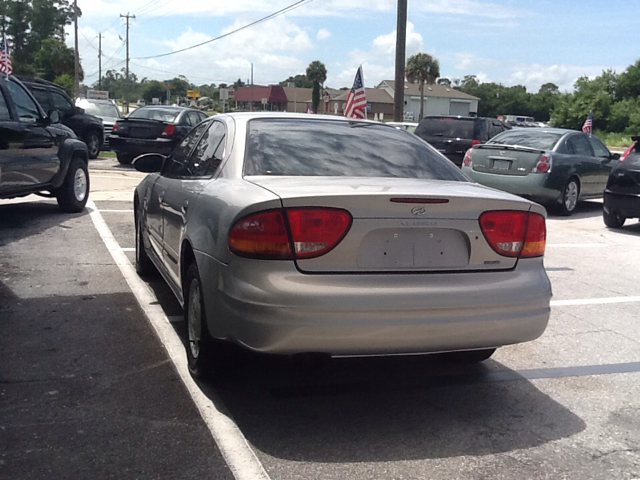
pixel 168 130
pixel 513 233
pixel 467 158
pixel 306 233
pixel 115 127
pixel 543 165
pixel 475 141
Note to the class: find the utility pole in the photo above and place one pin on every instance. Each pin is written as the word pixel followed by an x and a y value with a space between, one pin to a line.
pixel 126 84
pixel 100 61
pixel 251 91
pixel 401 43
pixel 76 67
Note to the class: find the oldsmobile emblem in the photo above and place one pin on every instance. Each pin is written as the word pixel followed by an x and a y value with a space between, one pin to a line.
pixel 418 210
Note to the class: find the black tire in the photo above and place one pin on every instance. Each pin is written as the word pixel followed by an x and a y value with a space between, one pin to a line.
pixel 144 265
pixel 612 220
pixel 72 196
pixel 94 141
pixel 124 159
pixel 570 196
pixel 470 356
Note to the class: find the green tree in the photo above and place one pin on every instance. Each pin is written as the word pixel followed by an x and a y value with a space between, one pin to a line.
pixel 316 73
pixel 300 81
pixel 55 59
pixel 422 68
pixel 629 82
pixel 153 89
pixel 66 81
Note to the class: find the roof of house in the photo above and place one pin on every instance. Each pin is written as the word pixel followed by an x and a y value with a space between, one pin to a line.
pixel 255 93
pixel 430 90
pixel 374 95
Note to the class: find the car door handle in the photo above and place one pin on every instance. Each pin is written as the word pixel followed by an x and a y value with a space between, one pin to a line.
pixel 185 207
pixel 161 198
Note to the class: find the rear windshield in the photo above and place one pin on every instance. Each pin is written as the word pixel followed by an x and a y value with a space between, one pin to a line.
pixel 164 115
pixel 101 109
pixel 524 137
pixel 335 148
pixel 446 127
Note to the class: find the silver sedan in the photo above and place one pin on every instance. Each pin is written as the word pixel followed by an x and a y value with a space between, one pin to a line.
pixel 290 233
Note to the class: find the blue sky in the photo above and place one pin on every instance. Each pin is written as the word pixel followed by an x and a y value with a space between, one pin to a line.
pixel 505 41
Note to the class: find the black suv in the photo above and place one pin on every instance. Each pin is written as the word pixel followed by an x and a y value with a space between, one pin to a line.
pixel 38 154
pixel 88 128
pixel 453 136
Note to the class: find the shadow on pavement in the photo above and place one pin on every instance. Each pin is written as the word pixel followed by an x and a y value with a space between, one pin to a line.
pixel 631 227
pixel 586 209
pixel 389 409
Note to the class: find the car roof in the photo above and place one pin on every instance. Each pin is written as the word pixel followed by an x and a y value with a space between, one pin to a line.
pixel 559 131
pixel 246 116
pixel 165 107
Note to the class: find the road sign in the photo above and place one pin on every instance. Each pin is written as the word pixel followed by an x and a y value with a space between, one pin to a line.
pixel 224 94
pixel 98 94
pixel 265 101
pixel 193 93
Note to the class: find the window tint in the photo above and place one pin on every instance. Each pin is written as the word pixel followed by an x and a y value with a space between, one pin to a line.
pixel 579 145
pixel 193 118
pixel 337 148
pixel 4 109
pixel 598 147
pixel 446 127
pixel 208 154
pixel 27 109
pixel 61 103
pixel 43 98
pixel 524 137
pixel 164 115
pixel 178 159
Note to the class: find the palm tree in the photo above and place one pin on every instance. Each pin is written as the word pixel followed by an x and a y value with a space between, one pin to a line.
pixel 422 68
pixel 317 73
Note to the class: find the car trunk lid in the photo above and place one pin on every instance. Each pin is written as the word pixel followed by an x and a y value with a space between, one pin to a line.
pixel 505 159
pixel 400 225
pixel 140 128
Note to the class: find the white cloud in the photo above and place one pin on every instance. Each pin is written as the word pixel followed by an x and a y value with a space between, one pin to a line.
pixel 563 75
pixel 323 34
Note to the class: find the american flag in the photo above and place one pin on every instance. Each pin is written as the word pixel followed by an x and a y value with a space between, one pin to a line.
pixel 5 59
pixel 309 110
pixel 356 106
pixel 588 123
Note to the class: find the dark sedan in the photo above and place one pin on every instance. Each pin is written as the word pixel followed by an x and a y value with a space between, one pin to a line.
pixel 152 129
pixel 622 194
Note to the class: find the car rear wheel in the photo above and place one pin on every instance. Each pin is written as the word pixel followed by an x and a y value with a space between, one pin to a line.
pixel 124 159
pixel 94 143
pixel 471 356
pixel 144 265
pixel 73 194
pixel 612 220
pixel 570 195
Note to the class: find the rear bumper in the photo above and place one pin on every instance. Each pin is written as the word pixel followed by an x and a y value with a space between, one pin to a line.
pixel 283 311
pixel 624 205
pixel 138 146
pixel 535 186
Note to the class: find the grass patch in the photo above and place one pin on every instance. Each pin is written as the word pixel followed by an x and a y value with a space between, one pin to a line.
pixel 617 140
pixel 107 153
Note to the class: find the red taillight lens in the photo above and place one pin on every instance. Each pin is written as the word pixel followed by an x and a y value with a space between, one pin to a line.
pixel 627 152
pixel 475 141
pixel 168 130
pixel 313 232
pixel 261 235
pixel 513 233
pixel 115 127
pixel 467 158
pixel 543 165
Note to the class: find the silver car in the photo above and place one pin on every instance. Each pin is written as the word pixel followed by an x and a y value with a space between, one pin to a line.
pixel 292 233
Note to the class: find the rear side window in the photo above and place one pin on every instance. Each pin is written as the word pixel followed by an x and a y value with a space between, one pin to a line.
pixel 337 148
pixel 43 98
pixel 446 127
pixel 4 109
pixel 524 137
pixel 579 145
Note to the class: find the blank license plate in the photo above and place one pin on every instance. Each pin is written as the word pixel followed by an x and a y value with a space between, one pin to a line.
pixel 501 165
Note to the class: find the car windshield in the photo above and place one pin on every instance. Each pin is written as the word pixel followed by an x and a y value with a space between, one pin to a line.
pixel 527 138
pixel 337 148
pixel 162 114
pixel 446 127
pixel 100 109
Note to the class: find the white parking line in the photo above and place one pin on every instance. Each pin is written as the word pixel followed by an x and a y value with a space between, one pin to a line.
pixel 594 301
pixel 576 245
pixel 130 210
pixel 234 447
pixel 128 249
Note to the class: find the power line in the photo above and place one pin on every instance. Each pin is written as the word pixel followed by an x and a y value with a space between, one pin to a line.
pixel 263 19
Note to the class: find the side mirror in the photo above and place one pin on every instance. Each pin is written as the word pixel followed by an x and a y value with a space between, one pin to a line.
pixel 54 116
pixel 149 162
pixel 615 156
pixel 78 111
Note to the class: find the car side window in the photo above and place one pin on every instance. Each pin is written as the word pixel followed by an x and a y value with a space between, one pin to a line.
pixel 27 109
pixel 579 145
pixel 4 109
pixel 42 97
pixel 175 164
pixel 207 156
pixel 193 119
pixel 62 104
pixel 599 148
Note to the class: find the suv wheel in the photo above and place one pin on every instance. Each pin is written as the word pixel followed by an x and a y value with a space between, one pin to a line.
pixel 94 143
pixel 124 159
pixel 612 220
pixel 73 194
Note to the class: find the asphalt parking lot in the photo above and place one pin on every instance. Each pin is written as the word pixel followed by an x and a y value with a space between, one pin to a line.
pixel 92 384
